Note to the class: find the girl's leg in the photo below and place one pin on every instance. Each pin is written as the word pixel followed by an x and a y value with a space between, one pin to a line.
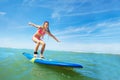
pixel 37 46
pixel 38 42
pixel 42 48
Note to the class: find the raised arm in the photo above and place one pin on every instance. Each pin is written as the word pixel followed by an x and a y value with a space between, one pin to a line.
pixel 32 24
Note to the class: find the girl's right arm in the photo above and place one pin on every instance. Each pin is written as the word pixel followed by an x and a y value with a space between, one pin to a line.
pixel 32 24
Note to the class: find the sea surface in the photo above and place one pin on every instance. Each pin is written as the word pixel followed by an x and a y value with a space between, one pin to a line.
pixel 97 66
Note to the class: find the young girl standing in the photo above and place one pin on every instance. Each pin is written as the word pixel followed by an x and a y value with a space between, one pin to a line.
pixel 37 37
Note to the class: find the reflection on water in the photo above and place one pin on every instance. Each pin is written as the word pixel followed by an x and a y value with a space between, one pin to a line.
pixel 57 73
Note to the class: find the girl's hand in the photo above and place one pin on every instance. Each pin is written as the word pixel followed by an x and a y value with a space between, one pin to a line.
pixel 58 41
pixel 34 25
pixel 30 23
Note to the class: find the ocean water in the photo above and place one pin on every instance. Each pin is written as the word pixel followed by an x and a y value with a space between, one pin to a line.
pixel 14 66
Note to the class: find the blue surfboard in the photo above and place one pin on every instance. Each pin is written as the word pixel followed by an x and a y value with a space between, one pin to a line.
pixel 51 62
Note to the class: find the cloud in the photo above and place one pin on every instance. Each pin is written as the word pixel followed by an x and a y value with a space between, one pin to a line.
pixel 27 2
pixel 2 13
pixel 70 30
pixel 6 42
pixel 62 8
pixel 96 47
pixel 16 42
pixel 110 48
pixel 56 15
pixel 91 12
pixel 85 7
pixel 109 28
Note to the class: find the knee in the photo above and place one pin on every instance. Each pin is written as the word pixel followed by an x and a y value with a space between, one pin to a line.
pixel 43 44
pixel 38 42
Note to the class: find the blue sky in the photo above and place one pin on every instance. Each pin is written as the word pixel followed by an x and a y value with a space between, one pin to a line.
pixel 81 25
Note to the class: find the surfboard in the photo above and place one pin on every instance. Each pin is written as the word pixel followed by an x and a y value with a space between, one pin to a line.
pixel 51 62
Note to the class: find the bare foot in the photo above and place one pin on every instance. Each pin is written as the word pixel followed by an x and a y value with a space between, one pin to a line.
pixel 35 55
pixel 42 57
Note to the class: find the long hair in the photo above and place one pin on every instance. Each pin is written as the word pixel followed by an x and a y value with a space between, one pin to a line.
pixel 48 30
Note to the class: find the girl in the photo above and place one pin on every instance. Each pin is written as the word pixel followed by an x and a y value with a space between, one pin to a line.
pixel 42 30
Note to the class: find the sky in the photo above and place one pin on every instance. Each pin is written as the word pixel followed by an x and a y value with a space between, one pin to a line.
pixel 80 25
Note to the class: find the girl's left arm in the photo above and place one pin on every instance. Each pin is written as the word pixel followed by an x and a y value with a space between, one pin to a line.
pixel 49 33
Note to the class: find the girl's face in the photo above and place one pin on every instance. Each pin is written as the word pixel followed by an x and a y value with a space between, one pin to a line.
pixel 46 25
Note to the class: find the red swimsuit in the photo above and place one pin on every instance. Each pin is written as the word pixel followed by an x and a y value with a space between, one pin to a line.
pixel 41 32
